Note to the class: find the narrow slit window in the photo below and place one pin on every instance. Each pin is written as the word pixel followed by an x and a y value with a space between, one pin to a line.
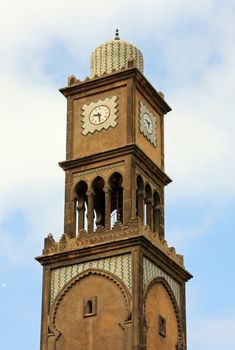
pixel 162 326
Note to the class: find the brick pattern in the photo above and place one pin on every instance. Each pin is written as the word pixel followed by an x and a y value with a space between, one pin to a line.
pixel 118 265
pixel 152 271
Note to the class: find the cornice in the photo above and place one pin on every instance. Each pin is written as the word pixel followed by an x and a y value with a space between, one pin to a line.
pixel 132 149
pixel 118 238
pixel 131 73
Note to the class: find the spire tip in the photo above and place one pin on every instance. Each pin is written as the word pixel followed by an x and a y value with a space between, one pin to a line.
pixel 117 35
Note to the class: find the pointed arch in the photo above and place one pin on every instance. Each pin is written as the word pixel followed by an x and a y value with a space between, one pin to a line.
pixel 99 201
pixel 53 327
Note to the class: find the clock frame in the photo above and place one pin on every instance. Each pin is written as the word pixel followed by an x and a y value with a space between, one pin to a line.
pixel 148 123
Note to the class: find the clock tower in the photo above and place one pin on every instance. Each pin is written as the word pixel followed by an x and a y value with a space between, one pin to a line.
pixel 112 282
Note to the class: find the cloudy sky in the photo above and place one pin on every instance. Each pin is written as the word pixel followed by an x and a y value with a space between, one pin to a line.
pixel 189 52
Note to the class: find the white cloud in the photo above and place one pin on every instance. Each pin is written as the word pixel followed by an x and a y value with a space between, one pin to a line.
pixel 41 212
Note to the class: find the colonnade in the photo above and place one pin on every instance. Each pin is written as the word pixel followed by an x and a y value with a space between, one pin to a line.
pixel 101 203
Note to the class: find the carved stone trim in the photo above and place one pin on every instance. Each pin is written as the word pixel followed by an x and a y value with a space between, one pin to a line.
pixel 126 294
pixel 142 84
pixel 174 303
pixel 99 169
pixel 134 228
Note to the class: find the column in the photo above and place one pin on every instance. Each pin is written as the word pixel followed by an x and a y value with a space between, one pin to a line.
pixel 107 191
pixel 90 216
pixel 80 213
pixel 140 204
pixel 149 219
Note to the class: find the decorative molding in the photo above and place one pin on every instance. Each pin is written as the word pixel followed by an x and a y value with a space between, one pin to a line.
pixel 121 76
pixel 130 149
pixel 152 271
pixel 72 282
pixel 119 266
pixel 99 169
pixel 111 103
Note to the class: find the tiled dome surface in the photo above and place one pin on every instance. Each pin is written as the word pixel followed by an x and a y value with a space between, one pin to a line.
pixel 114 55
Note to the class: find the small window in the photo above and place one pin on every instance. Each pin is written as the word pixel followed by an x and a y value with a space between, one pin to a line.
pixel 162 326
pixel 89 306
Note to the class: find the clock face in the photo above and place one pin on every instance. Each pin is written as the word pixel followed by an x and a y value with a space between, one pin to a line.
pixel 99 114
pixel 148 124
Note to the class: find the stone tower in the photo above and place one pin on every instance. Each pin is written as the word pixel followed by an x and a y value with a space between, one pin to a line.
pixel 112 282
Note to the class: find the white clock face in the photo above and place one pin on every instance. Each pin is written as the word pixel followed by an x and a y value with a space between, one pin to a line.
pixel 148 124
pixel 99 114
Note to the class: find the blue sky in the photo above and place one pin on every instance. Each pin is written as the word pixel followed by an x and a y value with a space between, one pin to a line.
pixel 189 54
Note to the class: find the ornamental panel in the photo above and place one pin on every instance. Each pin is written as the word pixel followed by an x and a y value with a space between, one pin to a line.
pixel 99 115
pixel 118 265
pixel 151 271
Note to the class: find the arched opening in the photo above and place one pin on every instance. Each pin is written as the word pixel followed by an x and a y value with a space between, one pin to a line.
pixel 116 198
pixel 148 206
pixel 109 300
pixel 156 213
pixel 140 198
pixel 99 201
pixel 81 206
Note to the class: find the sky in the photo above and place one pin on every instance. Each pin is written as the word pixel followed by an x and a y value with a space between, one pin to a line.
pixel 189 54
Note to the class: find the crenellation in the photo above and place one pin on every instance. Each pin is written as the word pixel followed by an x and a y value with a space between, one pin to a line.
pixel 117 233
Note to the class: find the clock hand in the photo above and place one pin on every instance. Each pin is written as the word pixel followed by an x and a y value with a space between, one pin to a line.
pixel 97 115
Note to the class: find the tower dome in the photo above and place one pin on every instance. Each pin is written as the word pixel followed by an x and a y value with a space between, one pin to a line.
pixel 114 55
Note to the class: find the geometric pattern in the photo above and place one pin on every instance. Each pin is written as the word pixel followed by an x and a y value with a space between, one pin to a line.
pixel 98 169
pixel 114 55
pixel 88 127
pixel 152 271
pixel 118 265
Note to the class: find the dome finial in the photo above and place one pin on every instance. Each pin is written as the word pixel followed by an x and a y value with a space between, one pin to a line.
pixel 117 35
